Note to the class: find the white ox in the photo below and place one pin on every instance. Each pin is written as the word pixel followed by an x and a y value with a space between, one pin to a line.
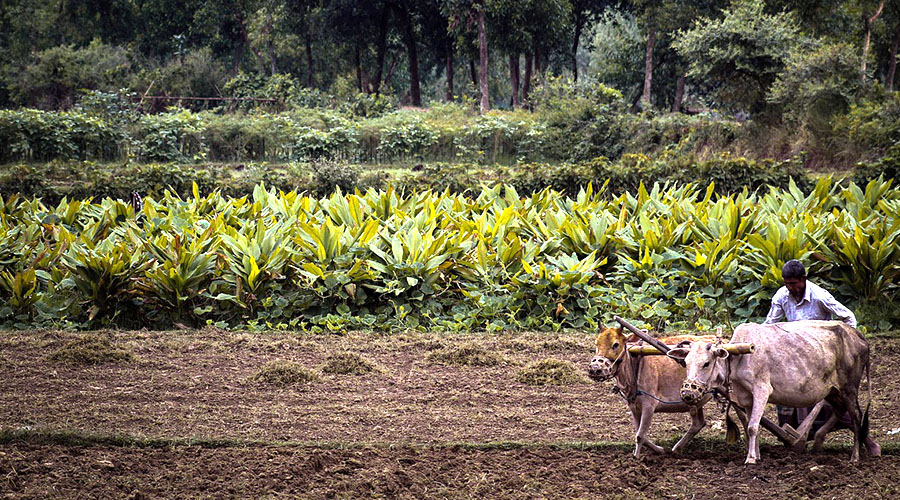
pixel 795 364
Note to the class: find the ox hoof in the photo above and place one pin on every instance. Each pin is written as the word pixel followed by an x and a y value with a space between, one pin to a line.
pixel 873 448
pixel 750 461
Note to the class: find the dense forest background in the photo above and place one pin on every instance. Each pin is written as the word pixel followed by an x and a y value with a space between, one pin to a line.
pixel 805 79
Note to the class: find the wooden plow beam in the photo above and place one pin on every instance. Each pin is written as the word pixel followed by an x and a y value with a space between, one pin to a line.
pixel 787 435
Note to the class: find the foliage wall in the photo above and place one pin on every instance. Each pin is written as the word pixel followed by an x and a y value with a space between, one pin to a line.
pixel 668 257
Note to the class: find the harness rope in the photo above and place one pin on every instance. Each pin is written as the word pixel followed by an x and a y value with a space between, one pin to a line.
pixel 635 368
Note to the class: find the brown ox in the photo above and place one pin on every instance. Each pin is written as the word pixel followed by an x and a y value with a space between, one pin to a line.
pixel 649 384
pixel 795 364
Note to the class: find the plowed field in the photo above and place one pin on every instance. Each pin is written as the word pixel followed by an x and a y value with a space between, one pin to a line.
pixel 187 414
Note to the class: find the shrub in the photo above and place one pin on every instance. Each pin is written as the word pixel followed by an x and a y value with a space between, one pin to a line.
pixel 327 176
pixel 582 121
pixel 888 167
pixel 285 89
pixel 197 74
pixel 871 126
pixel 170 137
pixel 52 79
pixel 39 135
pixel 818 84
pixel 369 105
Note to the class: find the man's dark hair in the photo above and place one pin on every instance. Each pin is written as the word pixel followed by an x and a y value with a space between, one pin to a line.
pixel 793 269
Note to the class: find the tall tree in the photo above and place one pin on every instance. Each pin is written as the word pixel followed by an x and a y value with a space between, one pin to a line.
pixel 225 25
pixel 869 18
pixel 467 18
pixel 363 27
pixel 583 12
pixel 740 54
pixel 405 14
pixel 437 41
pixel 485 104
pixel 892 57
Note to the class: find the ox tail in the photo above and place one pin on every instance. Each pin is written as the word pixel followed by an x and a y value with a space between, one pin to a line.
pixel 864 426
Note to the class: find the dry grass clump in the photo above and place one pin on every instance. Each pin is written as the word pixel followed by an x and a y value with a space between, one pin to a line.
pixel 565 344
pixel 550 372
pixel 348 363
pixel 90 350
pixel 466 354
pixel 283 373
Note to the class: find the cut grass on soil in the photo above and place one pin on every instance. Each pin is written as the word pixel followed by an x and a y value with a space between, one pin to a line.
pixel 348 363
pixel 284 373
pixel 91 350
pixel 550 372
pixel 466 354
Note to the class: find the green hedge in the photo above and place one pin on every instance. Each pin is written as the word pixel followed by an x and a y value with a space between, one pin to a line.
pixel 576 132
pixel 75 180
pixel 41 135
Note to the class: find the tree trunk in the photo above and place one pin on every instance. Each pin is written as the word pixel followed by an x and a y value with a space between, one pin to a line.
pixel 449 65
pixel 679 93
pixel 648 70
pixel 409 38
pixel 526 84
pixel 514 79
pixel 238 55
pixel 474 73
pixel 381 50
pixel 579 26
pixel 359 82
pixel 242 45
pixel 272 57
pixel 536 59
pixel 869 21
pixel 390 73
pixel 309 62
pixel 892 63
pixel 483 60
pixel 270 45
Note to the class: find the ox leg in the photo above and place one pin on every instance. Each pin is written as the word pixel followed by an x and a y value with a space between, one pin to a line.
pixel 697 423
pixel 644 429
pixel 760 397
pixel 636 420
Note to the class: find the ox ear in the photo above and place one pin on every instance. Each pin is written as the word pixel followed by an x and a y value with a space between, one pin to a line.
pixel 720 353
pixel 678 353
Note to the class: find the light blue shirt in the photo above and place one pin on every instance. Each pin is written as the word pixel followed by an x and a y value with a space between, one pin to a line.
pixel 816 303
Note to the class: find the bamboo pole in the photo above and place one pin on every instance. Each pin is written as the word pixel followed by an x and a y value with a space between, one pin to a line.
pixel 663 348
pixel 649 350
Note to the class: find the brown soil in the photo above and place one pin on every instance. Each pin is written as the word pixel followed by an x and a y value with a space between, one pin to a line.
pixel 186 416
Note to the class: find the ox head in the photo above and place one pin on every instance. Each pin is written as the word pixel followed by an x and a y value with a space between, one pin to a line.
pixel 705 369
pixel 610 352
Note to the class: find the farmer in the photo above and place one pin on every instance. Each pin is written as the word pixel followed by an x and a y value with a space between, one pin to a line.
pixel 797 300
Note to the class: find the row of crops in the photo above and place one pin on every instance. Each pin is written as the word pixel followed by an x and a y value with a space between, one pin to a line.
pixel 670 257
